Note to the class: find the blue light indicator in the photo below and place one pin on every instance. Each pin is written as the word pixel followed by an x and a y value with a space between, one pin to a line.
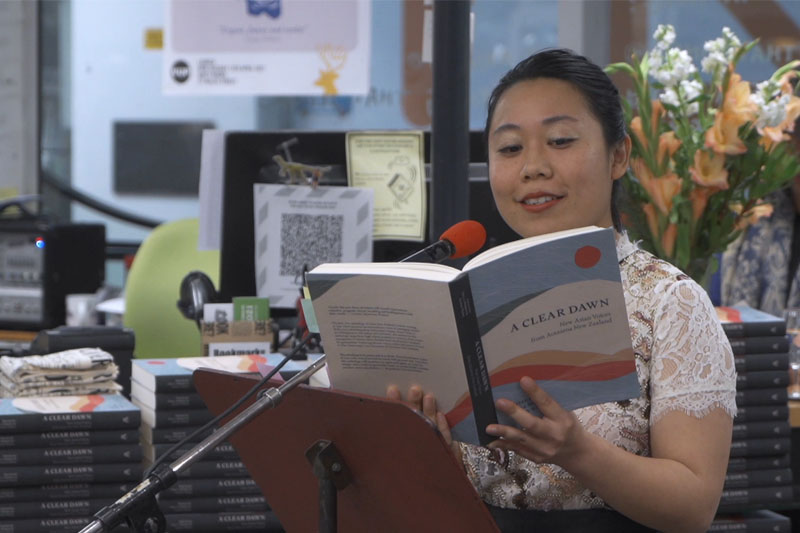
pixel 39 242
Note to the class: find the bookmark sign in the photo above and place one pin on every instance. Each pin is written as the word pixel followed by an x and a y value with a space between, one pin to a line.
pixel 299 227
pixel 267 47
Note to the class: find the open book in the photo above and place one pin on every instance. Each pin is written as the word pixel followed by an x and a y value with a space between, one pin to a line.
pixel 550 307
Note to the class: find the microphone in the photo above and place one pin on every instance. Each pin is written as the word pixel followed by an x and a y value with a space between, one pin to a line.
pixel 459 240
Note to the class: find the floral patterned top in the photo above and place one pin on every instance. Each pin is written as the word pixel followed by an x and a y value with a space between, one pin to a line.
pixel 684 363
pixel 755 267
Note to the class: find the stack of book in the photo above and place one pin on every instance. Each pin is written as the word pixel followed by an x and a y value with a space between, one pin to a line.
pixel 217 492
pixel 760 521
pixel 759 470
pixel 64 458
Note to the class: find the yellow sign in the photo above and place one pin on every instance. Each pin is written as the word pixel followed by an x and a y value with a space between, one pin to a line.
pixel 154 39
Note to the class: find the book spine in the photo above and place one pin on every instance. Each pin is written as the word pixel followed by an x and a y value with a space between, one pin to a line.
pixel 193 487
pixel 751 430
pixel 218 469
pixel 218 522
pixel 121 453
pixel 756 447
pixel 223 451
pixel 47 525
pixel 733 499
pixel 68 438
pixel 763 328
pixel 750 523
pixel 12 476
pixel 762 379
pixel 52 509
pixel 178 400
pixel 758 478
pixel 167 383
pixel 752 345
pixel 171 435
pixel 40 422
pixel 480 388
pixel 182 417
pixel 762 397
pixel 214 504
pixel 761 361
pixel 740 464
pixel 64 491
pixel 752 413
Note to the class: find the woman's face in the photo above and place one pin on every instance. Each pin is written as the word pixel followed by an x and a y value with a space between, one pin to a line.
pixel 549 166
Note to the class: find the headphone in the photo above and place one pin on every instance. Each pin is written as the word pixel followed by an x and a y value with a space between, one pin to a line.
pixel 196 290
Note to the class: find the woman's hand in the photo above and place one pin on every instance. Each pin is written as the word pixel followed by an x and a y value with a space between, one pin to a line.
pixel 556 437
pixel 426 404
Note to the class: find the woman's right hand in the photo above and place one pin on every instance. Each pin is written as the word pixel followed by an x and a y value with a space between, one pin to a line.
pixel 426 404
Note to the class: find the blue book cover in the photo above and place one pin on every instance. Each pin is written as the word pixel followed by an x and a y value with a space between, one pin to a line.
pixel 175 374
pixel 67 413
pixel 744 321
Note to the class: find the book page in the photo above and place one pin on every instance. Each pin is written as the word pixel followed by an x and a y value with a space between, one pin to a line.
pixel 380 330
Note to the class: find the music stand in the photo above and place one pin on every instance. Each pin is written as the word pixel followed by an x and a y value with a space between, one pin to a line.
pixel 403 476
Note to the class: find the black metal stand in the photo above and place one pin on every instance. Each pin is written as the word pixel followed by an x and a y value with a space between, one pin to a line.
pixel 139 507
pixel 331 470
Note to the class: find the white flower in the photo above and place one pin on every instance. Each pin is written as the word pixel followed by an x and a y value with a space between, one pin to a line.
pixel 664 36
pixel 677 67
pixel 681 94
pixel 771 104
pixel 720 52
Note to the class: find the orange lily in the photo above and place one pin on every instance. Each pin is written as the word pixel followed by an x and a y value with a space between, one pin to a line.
pixel 652 219
pixel 752 216
pixel 737 102
pixel 662 190
pixel 709 169
pixel 668 238
pixel 668 144
pixel 723 136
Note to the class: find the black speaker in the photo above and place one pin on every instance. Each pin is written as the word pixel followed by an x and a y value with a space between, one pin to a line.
pixel 40 263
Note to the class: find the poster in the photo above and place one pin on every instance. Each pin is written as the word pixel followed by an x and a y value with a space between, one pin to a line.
pixel 267 47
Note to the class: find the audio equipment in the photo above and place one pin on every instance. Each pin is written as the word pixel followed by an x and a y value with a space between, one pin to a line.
pixel 42 262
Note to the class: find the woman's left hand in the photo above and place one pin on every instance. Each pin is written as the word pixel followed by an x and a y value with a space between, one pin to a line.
pixel 555 437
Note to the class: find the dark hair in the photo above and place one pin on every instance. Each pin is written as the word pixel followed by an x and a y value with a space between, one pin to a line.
pixel 598 90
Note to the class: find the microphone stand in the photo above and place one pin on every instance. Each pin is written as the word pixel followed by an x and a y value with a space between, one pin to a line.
pixel 139 506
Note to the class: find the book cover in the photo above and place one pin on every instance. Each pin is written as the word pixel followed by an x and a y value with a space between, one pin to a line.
pixel 759 521
pixel 733 499
pixel 165 400
pixel 214 504
pixel 751 430
pixel 175 374
pixel 758 478
pixel 67 413
pixel 111 453
pixel 765 446
pixel 763 397
pixel 64 491
pixel 762 344
pixel 549 307
pixel 68 438
pixel 192 487
pixel 12 476
pixel 762 379
pixel 745 321
pixel 739 464
pixel 761 361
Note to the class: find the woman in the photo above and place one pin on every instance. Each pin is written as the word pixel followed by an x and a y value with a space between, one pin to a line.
pixel 556 148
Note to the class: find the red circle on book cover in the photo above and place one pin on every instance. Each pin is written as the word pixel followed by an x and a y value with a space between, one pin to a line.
pixel 587 256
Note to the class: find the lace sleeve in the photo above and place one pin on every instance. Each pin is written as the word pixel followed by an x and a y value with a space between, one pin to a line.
pixel 692 370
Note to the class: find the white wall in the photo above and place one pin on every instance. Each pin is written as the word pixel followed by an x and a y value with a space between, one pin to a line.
pixel 115 78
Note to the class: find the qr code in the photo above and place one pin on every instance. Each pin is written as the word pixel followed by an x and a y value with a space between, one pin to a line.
pixel 308 241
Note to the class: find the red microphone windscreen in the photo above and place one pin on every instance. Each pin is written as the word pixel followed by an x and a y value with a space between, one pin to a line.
pixel 467 237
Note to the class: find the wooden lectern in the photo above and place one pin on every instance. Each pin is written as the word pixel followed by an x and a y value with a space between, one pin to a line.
pixel 402 476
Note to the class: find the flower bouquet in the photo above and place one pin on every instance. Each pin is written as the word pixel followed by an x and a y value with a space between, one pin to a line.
pixel 705 151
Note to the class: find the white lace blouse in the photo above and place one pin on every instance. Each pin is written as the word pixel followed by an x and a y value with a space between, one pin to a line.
pixel 684 363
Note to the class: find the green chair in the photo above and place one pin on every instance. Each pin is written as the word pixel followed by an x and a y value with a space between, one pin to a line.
pixel 152 290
